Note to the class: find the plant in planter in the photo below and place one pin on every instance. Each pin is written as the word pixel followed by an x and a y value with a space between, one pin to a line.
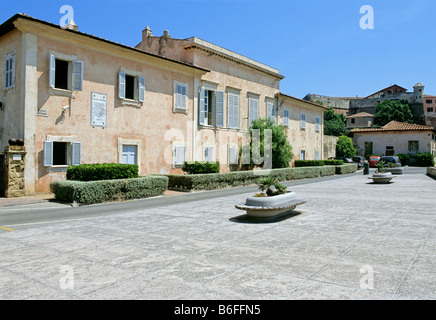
pixel 273 200
pixel 380 175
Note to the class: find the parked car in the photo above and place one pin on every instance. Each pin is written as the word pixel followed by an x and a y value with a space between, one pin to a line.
pixel 373 161
pixel 360 161
pixel 391 160
pixel 346 160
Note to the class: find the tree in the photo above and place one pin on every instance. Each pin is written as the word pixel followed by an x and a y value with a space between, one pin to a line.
pixel 344 147
pixel 390 110
pixel 334 123
pixel 281 149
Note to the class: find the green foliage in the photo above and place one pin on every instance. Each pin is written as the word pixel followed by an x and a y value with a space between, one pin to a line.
pixel 281 149
pixel 215 181
pixel 271 186
pixel 308 163
pixel 344 147
pixel 333 162
pixel 104 171
pixel 390 110
pixel 108 190
pixel 425 159
pixel 201 167
pixel 404 158
pixel 334 124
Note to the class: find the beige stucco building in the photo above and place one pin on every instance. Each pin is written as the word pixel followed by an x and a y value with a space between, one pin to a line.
pixel 395 138
pixel 76 98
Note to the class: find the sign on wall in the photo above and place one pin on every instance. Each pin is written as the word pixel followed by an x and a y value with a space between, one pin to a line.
pixel 98 110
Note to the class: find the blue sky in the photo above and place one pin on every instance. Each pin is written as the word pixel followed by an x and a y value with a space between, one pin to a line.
pixel 317 45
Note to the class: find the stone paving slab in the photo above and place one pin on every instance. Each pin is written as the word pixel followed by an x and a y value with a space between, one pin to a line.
pixel 351 240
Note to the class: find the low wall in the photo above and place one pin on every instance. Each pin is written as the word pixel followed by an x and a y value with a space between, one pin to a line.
pixel 431 171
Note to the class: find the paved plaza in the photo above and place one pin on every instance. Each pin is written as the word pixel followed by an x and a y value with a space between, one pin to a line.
pixel 351 240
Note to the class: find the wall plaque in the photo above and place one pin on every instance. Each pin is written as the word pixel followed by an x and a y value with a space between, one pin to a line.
pixel 98 110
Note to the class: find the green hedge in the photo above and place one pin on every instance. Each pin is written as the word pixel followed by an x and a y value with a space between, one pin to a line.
pixel 108 190
pixel 104 171
pixel 346 168
pixel 245 178
pixel 333 162
pixel 425 159
pixel 308 163
pixel 201 167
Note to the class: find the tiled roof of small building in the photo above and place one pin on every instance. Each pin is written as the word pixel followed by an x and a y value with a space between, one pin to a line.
pixel 396 126
pixel 360 115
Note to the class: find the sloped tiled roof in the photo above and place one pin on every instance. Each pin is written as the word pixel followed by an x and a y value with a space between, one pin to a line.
pixel 360 115
pixel 396 126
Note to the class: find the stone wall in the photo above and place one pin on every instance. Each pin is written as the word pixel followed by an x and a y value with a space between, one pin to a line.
pixel 14 172
pixel 330 146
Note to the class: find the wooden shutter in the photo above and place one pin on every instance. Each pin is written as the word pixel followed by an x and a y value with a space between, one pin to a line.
pixel 48 153
pixel 12 73
pixel 208 154
pixel 122 85
pixel 285 117
pixel 219 109
pixel 318 124
pixel 236 111
pixel 303 120
pixel 230 107
pixel 253 113
pixel 141 89
pixel 77 75
pixel 52 71
pixel 76 153
pixel 202 108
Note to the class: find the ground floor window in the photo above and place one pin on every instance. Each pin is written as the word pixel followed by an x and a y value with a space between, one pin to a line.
pixel 302 155
pixel 62 153
pixel 130 154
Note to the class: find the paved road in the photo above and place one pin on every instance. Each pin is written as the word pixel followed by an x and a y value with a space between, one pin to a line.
pixel 351 240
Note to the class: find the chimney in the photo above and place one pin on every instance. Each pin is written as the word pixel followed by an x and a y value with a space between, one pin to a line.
pixel 146 33
pixel 72 25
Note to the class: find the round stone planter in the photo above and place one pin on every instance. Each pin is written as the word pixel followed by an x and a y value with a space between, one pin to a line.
pixel 382 177
pixel 268 207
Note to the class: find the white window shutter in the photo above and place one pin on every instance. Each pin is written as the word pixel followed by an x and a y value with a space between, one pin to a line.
pixel 77 75
pixel 141 89
pixel 303 120
pixel 202 108
pixel 52 70
pixel 76 153
pixel 230 107
pixel 179 155
pixel 122 85
pixel 318 124
pixel 286 117
pixel 12 74
pixel 48 153
pixel 219 109
pixel 184 97
pixel 236 112
pixel 179 96
pixel 208 154
pixel 233 155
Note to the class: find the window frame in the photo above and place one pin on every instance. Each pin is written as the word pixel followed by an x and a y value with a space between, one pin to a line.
pixel 73 73
pixel 184 106
pixel 233 108
pixel 10 58
pixel 286 117
pixel 139 88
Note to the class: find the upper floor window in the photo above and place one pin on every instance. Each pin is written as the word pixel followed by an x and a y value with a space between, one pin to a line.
pixel 270 110
pixel 286 117
pixel 211 107
pixel 10 71
pixel 317 123
pixel 233 111
pixel 253 110
pixel 180 96
pixel 66 73
pixel 303 121
pixel 131 86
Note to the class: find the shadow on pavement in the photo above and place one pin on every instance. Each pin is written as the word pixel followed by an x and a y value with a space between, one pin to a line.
pixel 247 219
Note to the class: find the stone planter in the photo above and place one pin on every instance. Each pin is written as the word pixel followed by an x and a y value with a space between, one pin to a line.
pixel 382 177
pixel 396 170
pixel 268 207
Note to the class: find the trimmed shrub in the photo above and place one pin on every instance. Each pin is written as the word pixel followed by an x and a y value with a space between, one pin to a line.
pixel 404 158
pixel 104 171
pixel 425 159
pixel 198 167
pixel 308 163
pixel 247 178
pixel 108 190
pixel 333 162
pixel 346 168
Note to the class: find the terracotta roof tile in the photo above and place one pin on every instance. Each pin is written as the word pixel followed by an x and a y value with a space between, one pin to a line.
pixel 396 126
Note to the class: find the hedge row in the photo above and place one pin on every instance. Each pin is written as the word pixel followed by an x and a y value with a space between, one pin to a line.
pixel 199 167
pixel 316 163
pixel 108 190
pixel 104 171
pixel 245 178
